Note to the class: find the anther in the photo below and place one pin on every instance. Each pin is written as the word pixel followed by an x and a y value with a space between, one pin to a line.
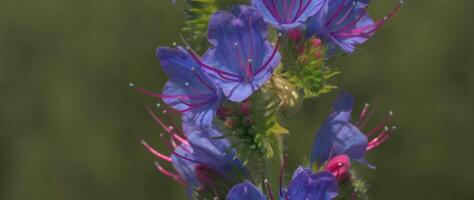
pixel 174 44
pixel 158 105
pixel 390 113
pixel 131 85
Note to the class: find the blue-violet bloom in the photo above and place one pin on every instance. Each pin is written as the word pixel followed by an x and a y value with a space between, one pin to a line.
pixel 287 14
pixel 241 59
pixel 337 135
pixel 345 24
pixel 304 185
pixel 198 158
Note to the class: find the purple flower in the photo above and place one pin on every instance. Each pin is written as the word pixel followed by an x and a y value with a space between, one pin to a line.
pixel 287 14
pixel 241 59
pixel 200 161
pixel 188 89
pixel 337 135
pixel 345 24
pixel 304 185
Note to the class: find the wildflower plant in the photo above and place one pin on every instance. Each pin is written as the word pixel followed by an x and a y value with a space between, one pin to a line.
pixel 242 65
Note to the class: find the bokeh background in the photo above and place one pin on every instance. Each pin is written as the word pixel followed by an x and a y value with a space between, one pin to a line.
pixel 70 127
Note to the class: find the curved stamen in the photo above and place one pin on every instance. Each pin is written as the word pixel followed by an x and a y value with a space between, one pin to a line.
pixel 202 81
pixel 156 153
pixel 167 96
pixel 174 176
pixel 298 14
pixel 164 126
pixel 221 73
pixel 282 172
pixel 381 124
pixel 339 9
pixel 195 106
pixel 269 189
pixel 381 138
pixel 275 50
pixel 363 12
pixel 363 113
pixel 347 14
pixel 273 10
pixel 189 159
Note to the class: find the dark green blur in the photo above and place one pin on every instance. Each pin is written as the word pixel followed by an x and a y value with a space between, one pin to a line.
pixel 70 127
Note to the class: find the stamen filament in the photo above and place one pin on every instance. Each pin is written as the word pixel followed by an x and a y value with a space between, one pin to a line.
pixel 155 152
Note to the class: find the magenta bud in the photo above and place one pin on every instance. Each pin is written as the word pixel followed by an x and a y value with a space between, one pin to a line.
pixel 316 42
pixel 339 166
pixel 295 35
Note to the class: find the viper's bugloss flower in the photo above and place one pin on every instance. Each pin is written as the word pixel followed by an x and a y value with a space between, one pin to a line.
pixel 345 24
pixel 201 161
pixel 241 59
pixel 188 89
pixel 287 14
pixel 304 185
pixel 337 135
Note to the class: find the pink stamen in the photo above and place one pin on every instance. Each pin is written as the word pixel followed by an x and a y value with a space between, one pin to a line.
pixel 203 82
pixel 381 138
pixel 362 14
pixel 288 13
pixel 189 159
pixel 174 176
pixel 221 73
pixel 156 153
pixel 158 95
pixel 348 12
pixel 298 14
pixel 363 113
pixel 300 6
pixel 269 189
pixel 282 172
pixel 381 124
pixel 339 9
pixel 167 128
pixel 275 50
pixel 273 10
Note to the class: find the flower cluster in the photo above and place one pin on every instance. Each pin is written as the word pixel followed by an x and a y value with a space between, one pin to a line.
pixel 257 61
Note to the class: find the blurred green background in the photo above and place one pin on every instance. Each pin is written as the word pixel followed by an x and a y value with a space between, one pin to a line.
pixel 70 127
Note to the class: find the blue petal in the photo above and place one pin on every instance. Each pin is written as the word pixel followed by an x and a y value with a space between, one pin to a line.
pixel 188 89
pixel 286 15
pixel 237 39
pixel 306 185
pixel 210 148
pixel 245 191
pixel 184 167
